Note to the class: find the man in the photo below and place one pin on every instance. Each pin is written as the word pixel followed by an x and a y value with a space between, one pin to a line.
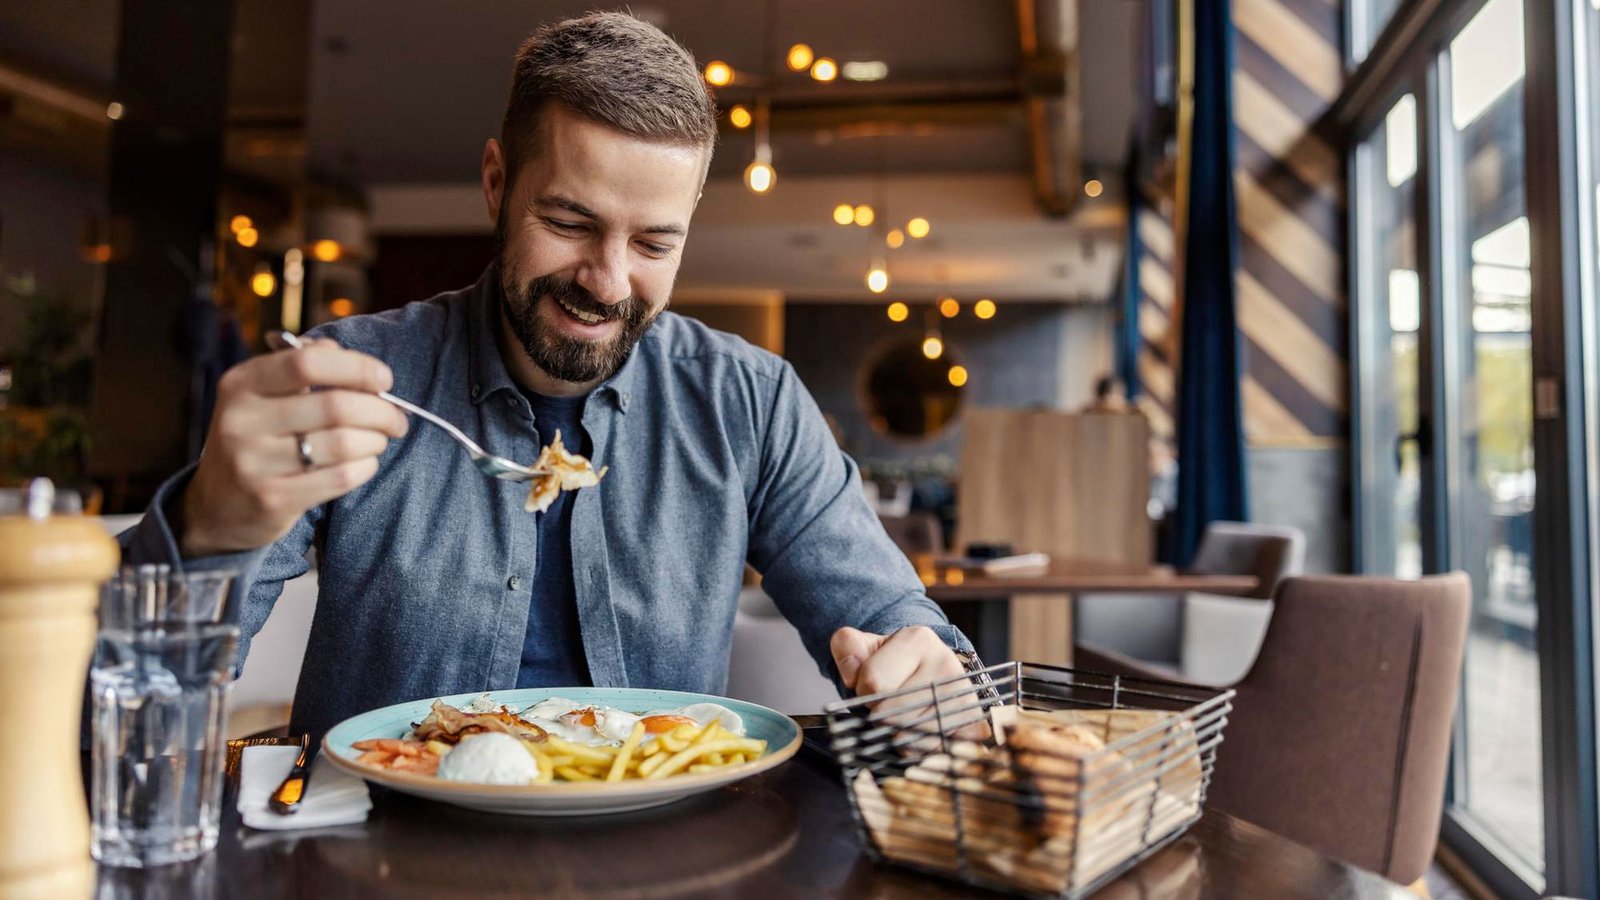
pixel 433 578
pixel 1109 396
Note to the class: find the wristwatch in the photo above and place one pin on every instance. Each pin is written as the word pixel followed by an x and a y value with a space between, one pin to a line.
pixel 975 668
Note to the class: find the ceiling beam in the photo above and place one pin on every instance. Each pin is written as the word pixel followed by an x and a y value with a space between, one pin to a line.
pixel 896 106
pixel 893 118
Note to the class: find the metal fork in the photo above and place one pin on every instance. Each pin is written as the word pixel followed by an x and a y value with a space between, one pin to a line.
pixel 487 463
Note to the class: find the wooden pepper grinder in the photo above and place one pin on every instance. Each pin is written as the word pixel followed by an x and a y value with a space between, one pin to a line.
pixel 51 568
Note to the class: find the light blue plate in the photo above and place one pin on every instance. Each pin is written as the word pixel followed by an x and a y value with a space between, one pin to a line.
pixel 561 799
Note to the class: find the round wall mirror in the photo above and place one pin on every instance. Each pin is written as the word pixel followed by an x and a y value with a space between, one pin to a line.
pixel 909 395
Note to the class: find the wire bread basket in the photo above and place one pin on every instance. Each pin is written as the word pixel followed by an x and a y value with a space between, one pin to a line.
pixel 1032 779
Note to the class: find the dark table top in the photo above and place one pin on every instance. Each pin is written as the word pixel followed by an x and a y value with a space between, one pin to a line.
pixel 785 833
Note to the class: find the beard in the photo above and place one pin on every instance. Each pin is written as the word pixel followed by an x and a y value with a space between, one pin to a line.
pixel 562 356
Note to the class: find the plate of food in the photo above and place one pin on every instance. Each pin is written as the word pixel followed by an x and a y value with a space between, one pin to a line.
pixel 562 751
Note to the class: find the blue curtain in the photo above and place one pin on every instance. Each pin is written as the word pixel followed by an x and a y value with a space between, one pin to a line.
pixel 1211 482
pixel 1128 320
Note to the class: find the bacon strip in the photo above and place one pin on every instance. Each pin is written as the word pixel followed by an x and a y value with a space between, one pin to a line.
pixel 449 725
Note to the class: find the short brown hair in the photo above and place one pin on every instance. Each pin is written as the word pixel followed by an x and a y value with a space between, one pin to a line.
pixel 613 69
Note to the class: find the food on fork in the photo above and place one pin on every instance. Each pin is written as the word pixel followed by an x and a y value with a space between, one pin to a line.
pixel 562 740
pixel 567 472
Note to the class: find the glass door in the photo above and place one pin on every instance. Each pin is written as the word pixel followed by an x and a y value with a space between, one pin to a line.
pixel 1487 391
pixel 1390 317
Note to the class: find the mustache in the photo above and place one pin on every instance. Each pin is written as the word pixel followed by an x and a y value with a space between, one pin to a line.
pixel 578 297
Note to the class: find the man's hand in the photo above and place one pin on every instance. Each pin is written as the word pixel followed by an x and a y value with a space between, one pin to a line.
pixel 874 663
pixel 251 485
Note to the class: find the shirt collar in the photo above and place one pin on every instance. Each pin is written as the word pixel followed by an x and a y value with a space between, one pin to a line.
pixel 489 373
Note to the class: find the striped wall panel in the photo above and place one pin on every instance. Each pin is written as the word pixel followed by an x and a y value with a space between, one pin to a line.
pixel 1290 194
pixel 1157 327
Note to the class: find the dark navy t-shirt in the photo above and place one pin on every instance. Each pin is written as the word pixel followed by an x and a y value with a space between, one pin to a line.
pixel 552 648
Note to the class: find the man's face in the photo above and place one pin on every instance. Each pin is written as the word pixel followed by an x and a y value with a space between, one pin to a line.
pixel 589 238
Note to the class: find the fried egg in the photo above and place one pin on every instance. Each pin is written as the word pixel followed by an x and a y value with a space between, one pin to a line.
pixel 704 714
pixel 595 725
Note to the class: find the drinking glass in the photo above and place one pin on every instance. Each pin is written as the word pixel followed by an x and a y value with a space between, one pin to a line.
pixel 162 667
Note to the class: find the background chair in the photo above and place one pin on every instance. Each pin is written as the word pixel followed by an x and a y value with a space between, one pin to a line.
pixel 768 663
pixel 1203 638
pixel 1340 732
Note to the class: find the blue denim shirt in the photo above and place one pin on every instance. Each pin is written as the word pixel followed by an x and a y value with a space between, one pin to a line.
pixel 717 454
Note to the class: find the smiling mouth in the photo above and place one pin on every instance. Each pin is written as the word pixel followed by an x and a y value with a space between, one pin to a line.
pixel 586 318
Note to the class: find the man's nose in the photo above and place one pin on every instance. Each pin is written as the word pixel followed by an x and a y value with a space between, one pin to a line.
pixel 605 273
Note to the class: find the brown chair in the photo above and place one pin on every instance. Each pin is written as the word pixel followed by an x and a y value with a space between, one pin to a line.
pixel 1151 627
pixel 1340 733
pixel 1269 552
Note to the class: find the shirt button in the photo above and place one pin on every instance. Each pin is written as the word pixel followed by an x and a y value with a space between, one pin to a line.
pixel 514 582
pixel 476 391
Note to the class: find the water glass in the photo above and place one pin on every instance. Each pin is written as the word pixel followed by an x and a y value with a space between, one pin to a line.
pixel 162 667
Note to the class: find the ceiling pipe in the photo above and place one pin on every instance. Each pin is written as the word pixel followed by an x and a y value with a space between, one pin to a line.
pixel 1052 103
pixel 79 104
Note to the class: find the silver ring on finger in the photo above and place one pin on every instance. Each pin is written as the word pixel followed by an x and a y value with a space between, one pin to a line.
pixel 304 447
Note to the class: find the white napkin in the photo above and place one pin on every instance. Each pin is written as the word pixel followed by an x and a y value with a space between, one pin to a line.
pixel 333 796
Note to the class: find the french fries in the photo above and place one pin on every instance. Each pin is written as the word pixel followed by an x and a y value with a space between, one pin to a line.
pixel 619 766
pixel 690 749
pixel 689 754
pixel 651 764
pixel 580 752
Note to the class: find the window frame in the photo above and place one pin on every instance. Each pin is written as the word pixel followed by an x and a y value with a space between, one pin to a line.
pixel 1408 56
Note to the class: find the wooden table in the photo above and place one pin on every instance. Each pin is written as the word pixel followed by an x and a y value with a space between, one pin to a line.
pixel 947 583
pixel 1053 590
pixel 786 833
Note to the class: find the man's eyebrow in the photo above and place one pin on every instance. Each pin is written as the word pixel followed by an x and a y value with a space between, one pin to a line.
pixel 568 204
pixel 576 208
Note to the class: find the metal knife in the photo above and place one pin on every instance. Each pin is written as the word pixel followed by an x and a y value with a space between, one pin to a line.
pixel 286 799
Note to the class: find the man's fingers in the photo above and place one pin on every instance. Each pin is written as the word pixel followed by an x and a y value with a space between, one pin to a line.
pixel 850 647
pixel 892 665
pixel 322 364
pixel 328 448
pixel 324 410
pixel 318 486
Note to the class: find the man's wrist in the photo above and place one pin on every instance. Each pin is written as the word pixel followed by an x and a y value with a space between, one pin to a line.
pixel 975 669
pixel 182 511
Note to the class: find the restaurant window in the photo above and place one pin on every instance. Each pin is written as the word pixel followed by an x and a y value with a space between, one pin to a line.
pixel 1367 21
pixel 1391 298
pixel 1484 265
pixel 1587 119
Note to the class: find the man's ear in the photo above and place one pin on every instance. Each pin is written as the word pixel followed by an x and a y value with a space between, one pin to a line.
pixel 494 177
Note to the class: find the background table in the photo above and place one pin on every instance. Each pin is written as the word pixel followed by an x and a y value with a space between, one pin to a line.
pixel 786 833
pixel 981 604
